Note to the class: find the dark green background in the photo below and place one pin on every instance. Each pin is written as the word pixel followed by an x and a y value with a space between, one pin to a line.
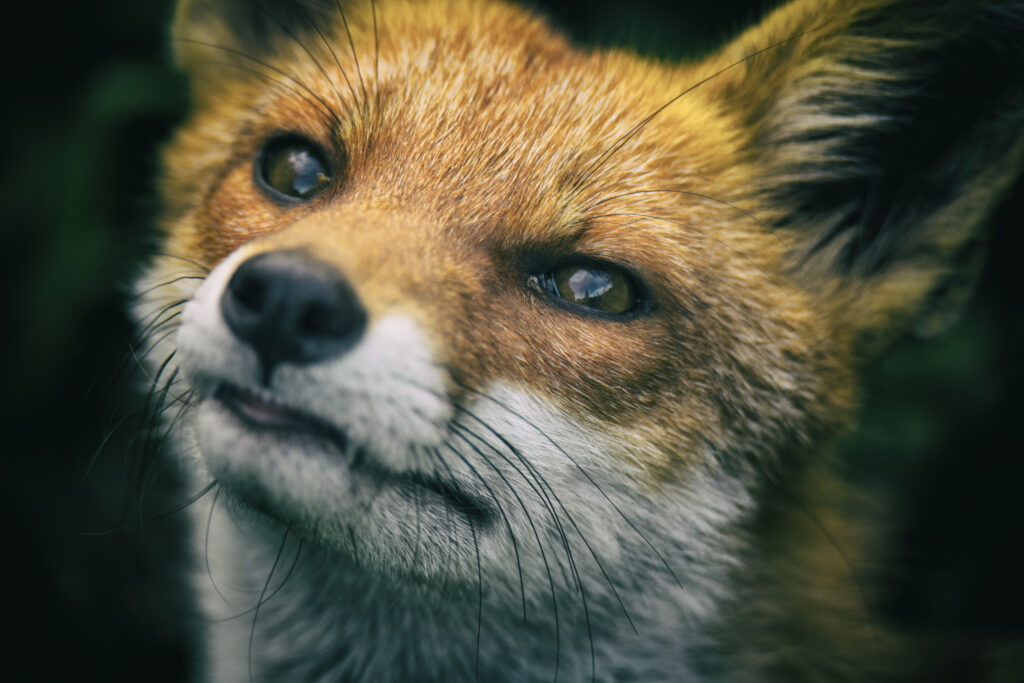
pixel 89 97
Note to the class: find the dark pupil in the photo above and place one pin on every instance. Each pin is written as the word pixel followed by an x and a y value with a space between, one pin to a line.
pixel 296 172
pixel 588 284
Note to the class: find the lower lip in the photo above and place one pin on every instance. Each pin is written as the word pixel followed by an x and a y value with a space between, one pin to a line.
pixel 263 412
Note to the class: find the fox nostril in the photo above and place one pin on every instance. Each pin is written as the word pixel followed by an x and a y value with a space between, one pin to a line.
pixel 290 307
pixel 319 320
pixel 249 293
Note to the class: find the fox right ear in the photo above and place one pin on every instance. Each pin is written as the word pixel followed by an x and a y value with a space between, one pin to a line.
pixel 241 32
pixel 883 134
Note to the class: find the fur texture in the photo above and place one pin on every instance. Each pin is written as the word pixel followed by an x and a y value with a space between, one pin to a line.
pixel 492 481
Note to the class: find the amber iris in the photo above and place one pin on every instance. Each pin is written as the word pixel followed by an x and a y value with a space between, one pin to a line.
pixel 294 168
pixel 599 287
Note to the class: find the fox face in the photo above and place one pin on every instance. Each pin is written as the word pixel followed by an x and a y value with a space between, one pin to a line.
pixel 500 343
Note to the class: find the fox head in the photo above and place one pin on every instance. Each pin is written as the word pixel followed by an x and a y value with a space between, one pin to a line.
pixel 493 321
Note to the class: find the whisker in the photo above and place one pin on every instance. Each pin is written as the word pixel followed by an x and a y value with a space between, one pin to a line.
pixel 586 543
pixel 479 573
pixel 479 596
pixel 540 546
pixel 501 510
pixel 376 52
pixel 449 518
pixel 166 283
pixel 542 489
pixel 152 406
pixel 277 588
pixel 194 498
pixel 543 495
pixel 316 27
pixel 157 318
pixel 154 455
pixel 260 602
pixel 355 57
pixel 615 507
pixel 206 546
pixel 332 51
pixel 141 367
pixel 156 342
pixel 316 98
pixel 106 438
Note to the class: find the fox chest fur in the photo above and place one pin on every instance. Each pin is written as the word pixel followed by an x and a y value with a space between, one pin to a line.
pixel 499 358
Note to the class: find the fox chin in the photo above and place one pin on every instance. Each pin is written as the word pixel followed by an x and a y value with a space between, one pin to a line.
pixel 504 359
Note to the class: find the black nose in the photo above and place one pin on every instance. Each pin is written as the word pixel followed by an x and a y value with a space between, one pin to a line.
pixel 290 307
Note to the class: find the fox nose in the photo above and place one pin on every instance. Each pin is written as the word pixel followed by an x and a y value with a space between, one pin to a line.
pixel 289 307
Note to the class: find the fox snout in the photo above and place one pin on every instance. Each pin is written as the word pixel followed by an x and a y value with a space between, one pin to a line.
pixel 289 307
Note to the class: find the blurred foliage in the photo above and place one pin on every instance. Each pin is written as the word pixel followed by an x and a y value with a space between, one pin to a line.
pixel 91 97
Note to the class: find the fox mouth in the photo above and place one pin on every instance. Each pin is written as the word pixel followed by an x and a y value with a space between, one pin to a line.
pixel 261 411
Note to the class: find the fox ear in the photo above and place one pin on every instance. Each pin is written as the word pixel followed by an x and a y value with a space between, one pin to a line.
pixel 884 132
pixel 240 31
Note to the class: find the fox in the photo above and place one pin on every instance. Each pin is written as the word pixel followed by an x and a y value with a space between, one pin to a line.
pixel 492 356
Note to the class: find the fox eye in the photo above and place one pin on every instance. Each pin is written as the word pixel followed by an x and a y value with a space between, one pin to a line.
pixel 293 167
pixel 599 287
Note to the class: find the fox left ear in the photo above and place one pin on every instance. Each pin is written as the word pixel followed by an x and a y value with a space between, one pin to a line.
pixel 208 33
pixel 884 133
